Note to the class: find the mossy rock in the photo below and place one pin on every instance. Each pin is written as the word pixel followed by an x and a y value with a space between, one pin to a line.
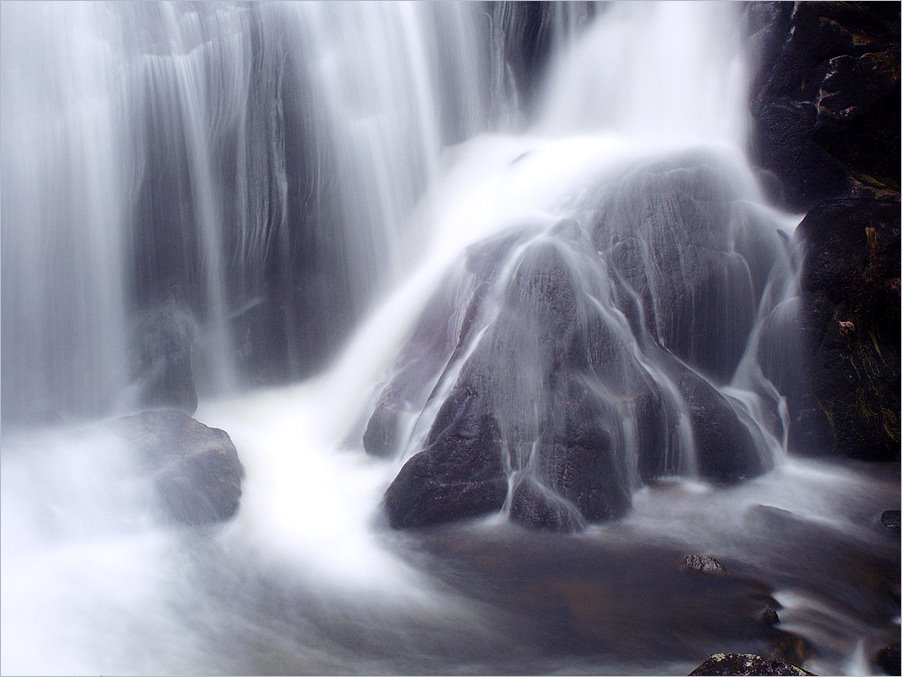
pixel 746 664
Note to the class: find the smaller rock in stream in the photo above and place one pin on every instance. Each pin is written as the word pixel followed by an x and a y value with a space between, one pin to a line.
pixel 745 664
pixel 888 658
pixel 195 469
pixel 891 519
pixel 702 563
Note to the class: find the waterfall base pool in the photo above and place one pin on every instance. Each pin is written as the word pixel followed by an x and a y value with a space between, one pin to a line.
pixel 308 578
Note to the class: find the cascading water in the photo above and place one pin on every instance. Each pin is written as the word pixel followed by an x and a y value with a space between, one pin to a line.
pixel 465 227
pixel 206 191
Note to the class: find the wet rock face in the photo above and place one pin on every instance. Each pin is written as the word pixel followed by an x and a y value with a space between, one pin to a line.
pixel 889 658
pixel 458 475
pixel 745 664
pixel 163 343
pixel 850 322
pixel 534 506
pixel 691 263
pixel 725 447
pixel 825 99
pixel 195 469
pixel 568 362
pixel 825 102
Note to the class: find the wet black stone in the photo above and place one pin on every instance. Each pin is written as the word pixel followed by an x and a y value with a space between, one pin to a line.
pixel 726 450
pixel 520 332
pixel 535 506
pixel 888 658
pixel 848 398
pixel 825 99
pixel 459 475
pixel 891 519
pixel 704 564
pixel 745 664
pixel 769 616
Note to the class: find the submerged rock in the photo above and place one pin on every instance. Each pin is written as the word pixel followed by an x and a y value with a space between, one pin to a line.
pixel 891 519
pixel 745 664
pixel 889 658
pixel 702 563
pixel 195 469
pixel 768 616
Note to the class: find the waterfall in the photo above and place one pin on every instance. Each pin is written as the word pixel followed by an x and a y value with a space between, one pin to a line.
pixel 672 72
pixel 65 193
pixel 252 166
pixel 499 267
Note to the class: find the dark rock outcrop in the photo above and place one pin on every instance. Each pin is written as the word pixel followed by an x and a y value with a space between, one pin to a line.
pixel 595 346
pixel 745 664
pixel 889 659
pixel 850 331
pixel 825 104
pixel 460 473
pixel 195 469
pixel 825 99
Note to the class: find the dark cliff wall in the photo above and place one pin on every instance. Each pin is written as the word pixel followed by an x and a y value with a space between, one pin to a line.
pixel 825 104
pixel 825 99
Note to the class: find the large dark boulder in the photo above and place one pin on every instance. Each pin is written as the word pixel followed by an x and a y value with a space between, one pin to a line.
pixel 195 469
pixel 572 361
pixel 825 99
pixel 850 324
